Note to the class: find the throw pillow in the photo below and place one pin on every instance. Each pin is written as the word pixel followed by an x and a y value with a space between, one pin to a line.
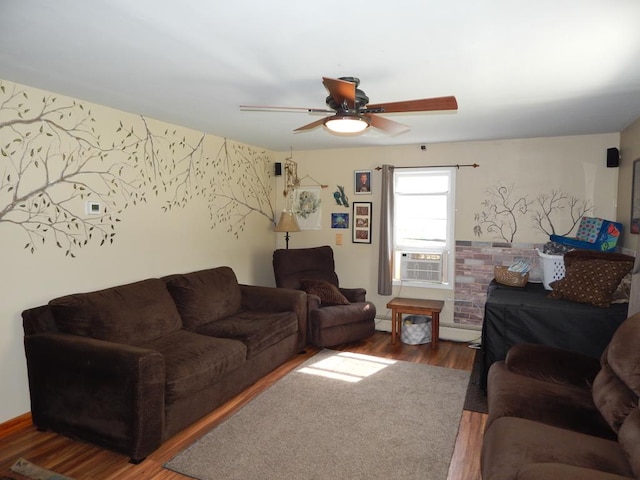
pixel 580 255
pixel 328 293
pixel 591 281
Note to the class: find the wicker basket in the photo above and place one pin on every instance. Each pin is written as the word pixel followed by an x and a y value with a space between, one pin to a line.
pixel 511 279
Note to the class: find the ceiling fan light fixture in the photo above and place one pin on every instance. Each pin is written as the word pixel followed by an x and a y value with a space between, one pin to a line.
pixel 346 123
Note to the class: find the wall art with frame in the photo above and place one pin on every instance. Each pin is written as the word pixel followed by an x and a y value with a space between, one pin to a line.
pixel 339 220
pixel 361 222
pixel 362 182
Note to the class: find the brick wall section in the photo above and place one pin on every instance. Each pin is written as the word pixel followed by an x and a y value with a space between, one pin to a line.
pixel 474 272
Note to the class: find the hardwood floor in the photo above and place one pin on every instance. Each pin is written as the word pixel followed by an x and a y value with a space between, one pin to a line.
pixel 79 460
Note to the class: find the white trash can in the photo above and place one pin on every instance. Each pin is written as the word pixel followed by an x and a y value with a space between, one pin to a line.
pixel 415 330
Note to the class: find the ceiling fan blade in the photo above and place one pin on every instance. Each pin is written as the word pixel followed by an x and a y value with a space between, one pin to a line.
pixel 389 126
pixel 265 108
pixel 341 90
pixel 311 125
pixel 423 105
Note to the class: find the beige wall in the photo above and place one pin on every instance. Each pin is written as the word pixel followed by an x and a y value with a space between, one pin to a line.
pixel 573 166
pixel 629 152
pixel 189 172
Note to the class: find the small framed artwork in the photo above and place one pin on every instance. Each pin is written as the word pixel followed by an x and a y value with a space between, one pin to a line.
pixel 361 222
pixel 339 220
pixel 362 182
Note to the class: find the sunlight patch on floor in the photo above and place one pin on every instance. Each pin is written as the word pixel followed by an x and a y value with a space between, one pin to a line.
pixel 347 366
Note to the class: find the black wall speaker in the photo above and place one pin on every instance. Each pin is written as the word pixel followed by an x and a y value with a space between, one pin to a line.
pixel 613 157
pixel 278 169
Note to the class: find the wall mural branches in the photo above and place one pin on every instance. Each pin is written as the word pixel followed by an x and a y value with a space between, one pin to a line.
pixel 557 202
pixel 231 201
pixel 51 157
pixel 53 160
pixel 504 208
pixel 501 211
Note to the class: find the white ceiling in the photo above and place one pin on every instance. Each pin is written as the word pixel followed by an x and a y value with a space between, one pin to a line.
pixel 518 69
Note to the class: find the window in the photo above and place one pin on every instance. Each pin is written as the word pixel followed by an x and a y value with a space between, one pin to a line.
pixel 423 220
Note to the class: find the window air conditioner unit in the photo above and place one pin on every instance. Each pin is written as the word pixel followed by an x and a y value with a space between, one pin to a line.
pixel 421 267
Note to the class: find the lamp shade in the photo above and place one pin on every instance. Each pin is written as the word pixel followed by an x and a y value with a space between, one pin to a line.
pixel 346 123
pixel 287 223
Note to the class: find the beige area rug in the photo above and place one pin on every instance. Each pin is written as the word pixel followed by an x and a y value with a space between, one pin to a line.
pixel 338 416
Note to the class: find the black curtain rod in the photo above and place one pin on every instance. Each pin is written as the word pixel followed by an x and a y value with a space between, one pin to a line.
pixel 474 165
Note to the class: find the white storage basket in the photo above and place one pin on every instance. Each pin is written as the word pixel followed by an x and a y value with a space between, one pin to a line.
pixel 416 330
pixel 552 268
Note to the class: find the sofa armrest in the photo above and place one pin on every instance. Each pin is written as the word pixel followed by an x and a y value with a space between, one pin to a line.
pixel 108 393
pixel 558 471
pixel 354 295
pixel 552 364
pixel 271 299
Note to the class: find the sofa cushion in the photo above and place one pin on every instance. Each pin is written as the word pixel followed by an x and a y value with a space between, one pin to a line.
pixel 193 361
pixel 328 293
pixel 132 314
pixel 510 444
pixel 205 296
pixel 256 330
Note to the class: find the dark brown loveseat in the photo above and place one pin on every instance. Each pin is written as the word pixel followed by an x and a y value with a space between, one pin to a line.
pixel 555 414
pixel 128 367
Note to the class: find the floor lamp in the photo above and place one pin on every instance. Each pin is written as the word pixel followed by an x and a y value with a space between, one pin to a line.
pixel 287 223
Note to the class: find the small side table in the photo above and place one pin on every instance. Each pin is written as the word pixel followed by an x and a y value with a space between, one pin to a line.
pixel 415 306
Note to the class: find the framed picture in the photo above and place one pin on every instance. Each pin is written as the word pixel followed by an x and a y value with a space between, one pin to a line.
pixel 307 207
pixel 362 185
pixel 635 198
pixel 339 220
pixel 361 222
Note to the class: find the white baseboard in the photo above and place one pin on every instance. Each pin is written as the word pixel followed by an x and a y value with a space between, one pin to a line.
pixel 455 334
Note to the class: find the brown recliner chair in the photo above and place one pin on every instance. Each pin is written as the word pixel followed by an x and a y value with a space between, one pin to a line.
pixel 330 321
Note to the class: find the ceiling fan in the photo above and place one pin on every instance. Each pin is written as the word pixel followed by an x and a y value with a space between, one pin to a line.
pixel 352 113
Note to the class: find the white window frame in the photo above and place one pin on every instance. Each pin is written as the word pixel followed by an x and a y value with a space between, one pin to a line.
pixel 447 250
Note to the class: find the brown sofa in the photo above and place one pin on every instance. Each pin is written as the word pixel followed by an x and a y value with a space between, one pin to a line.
pixel 555 414
pixel 128 367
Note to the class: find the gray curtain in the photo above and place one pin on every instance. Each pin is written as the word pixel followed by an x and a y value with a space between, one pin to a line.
pixel 385 255
pixel 634 298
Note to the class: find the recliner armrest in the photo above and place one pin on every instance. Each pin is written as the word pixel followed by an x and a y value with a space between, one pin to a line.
pixel 354 295
pixel 552 364
pixel 103 391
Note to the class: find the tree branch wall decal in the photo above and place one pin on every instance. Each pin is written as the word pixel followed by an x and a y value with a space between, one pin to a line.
pixel 231 201
pixel 53 159
pixel 501 212
pixel 504 208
